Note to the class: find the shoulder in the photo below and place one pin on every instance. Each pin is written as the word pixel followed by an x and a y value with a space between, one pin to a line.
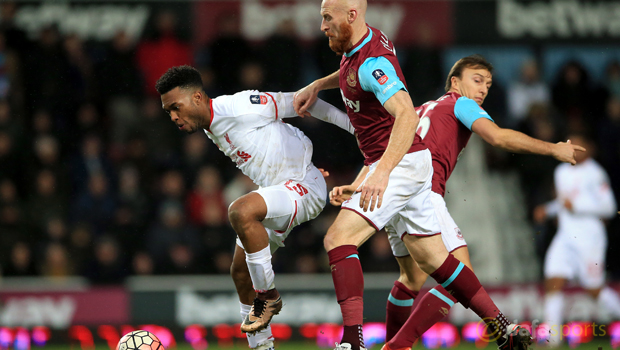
pixel 466 105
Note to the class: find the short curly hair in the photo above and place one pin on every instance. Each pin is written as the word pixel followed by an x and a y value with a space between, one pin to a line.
pixel 181 76
pixel 473 61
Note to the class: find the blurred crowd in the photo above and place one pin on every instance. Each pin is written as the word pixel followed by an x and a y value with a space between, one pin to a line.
pixel 96 181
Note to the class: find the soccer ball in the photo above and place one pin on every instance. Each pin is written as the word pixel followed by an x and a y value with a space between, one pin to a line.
pixel 139 340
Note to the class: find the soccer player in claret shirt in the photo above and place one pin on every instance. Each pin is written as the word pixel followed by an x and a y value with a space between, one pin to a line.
pixel 445 127
pixel 248 128
pixel 380 109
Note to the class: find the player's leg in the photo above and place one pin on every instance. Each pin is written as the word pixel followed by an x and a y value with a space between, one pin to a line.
pixel 354 226
pixel 345 235
pixel 592 274
pixel 429 308
pixel 286 206
pixel 403 295
pixel 246 215
pixel 262 340
pixel 460 282
pixel 559 267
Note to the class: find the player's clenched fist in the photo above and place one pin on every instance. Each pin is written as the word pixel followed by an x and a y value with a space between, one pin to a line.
pixel 304 98
pixel 565 152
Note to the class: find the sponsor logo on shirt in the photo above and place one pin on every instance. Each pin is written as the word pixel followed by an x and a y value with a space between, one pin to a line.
pixel 351 77
pixel 354 105
pixel 258 100
pixel 380 76
pixel 389 87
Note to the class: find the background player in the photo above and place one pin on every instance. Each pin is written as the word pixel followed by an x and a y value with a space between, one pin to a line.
pixel 446 126
pixel 385 121
pixel 248 127
pixel 578 249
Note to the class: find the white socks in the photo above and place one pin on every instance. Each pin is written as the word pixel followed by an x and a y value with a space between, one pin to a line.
pixel 261 271
pixel 609 302
pixel 259 338
pixel 554 305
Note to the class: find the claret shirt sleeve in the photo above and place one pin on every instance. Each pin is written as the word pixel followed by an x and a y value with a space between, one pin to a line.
pixel 467 111
pixel 377 75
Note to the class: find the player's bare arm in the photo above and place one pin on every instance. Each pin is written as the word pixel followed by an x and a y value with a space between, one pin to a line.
pixel 405 122
pixel 517 142
pixel 305 97
pixel 339 194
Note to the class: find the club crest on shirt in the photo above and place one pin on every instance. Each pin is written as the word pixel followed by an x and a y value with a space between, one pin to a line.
pixel 258 100
pixel 380 76
pixel 351 77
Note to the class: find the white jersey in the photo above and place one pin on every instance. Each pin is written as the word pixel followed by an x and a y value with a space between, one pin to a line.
pixel 586 185
pixel 248 127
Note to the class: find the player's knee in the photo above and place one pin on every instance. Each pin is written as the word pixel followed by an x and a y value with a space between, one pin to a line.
pixel 426 264
pixel 239 213
pixel 329 241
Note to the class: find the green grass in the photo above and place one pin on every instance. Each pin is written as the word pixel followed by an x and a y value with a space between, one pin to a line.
pixel 604 344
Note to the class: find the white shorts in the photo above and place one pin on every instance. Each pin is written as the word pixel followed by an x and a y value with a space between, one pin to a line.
pixel 450 232
pixel 408 190
pixel 570 256
pixel 290 204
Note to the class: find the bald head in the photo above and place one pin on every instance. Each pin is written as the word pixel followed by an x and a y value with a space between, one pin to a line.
pixel 347 5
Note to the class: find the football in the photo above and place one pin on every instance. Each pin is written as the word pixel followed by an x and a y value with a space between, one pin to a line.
pixel 139 340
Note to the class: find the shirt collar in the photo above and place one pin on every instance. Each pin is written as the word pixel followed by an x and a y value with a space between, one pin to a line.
pixel 358 46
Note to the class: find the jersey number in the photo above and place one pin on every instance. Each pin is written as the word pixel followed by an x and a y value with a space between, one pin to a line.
pixel 301 190
pixel 425 122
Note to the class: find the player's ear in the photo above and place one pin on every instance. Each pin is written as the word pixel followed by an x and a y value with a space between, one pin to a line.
pixel 352 16
pixel 197 96
pixel 453 81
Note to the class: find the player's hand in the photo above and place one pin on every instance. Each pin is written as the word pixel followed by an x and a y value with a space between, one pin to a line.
pixel 340 194
pixel 324 172
pixel 540 214
pixel 565 152
pixel 303 99
pixel 568 204
pixel 373 189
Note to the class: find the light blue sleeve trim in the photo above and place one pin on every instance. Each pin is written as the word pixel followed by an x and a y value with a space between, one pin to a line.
pixel 353 256
pixel 454 275
pixel 374 66
pixel 398 302
pixel 467 111
pixel 444 298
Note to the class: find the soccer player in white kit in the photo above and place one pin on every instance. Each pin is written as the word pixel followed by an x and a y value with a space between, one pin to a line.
pixel 583 199
pixel 248 128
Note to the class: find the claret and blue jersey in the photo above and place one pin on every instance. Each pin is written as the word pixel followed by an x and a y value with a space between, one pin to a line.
pixel 445 127
pixel 369 76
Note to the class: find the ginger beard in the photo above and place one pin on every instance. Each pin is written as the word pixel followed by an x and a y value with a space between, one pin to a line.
pixel 342 43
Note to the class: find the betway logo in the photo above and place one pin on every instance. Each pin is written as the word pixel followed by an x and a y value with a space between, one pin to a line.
pixel 558 18
pixel 38 311
pixel 354 105
pixel 258 20
pixel 99 22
